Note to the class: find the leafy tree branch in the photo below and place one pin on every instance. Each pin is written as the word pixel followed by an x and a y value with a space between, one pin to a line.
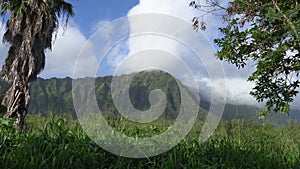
pixel 266 32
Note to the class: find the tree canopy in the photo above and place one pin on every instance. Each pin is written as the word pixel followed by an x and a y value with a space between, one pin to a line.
pixel 267 33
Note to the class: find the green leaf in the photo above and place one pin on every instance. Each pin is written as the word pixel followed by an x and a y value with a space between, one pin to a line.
pixel 262 114
pixel 6 121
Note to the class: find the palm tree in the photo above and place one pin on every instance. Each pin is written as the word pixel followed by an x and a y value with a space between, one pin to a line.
pixel 29 31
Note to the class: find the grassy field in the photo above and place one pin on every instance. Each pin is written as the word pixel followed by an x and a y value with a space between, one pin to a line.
pixel 56 142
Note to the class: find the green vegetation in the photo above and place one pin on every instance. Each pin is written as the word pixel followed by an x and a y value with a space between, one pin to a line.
pixel 264 34
pixel 55 95
pixel 55 142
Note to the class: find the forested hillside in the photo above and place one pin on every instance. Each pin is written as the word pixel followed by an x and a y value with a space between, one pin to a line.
pixel 55 95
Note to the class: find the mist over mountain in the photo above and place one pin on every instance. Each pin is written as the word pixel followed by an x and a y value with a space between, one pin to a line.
pixel 55 95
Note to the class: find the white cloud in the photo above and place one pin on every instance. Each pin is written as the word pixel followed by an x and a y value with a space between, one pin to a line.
pixel 117 55
pixel 176 8
pixel 3 46
pixel 238 91
pixel 237 88
pixel 61 61
pixel 158 32
pixel 100 24
pixel 110 44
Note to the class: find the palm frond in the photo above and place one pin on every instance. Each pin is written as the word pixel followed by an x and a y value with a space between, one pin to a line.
pixel 29 30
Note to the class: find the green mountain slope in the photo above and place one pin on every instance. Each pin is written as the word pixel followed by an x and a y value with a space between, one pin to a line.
pixel 55 95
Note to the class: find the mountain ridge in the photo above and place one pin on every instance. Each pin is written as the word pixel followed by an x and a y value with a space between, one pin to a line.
pixel 55 95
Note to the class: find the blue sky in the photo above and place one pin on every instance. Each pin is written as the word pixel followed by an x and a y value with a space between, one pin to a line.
pixel 89 12
pixel 78 51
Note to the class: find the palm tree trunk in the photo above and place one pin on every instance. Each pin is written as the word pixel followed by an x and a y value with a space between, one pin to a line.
pixel 29 30
pixel 16 100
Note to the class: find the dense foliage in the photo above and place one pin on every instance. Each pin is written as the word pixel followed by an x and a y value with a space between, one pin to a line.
pixel 265 34
pixel 54 142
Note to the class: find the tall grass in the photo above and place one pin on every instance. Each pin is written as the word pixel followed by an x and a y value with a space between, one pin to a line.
pixel 55 142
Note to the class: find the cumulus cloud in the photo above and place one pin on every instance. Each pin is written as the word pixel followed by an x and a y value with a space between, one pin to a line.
pixel 176 8
pixel 178 39
pixel 161 25
pixel 62 60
